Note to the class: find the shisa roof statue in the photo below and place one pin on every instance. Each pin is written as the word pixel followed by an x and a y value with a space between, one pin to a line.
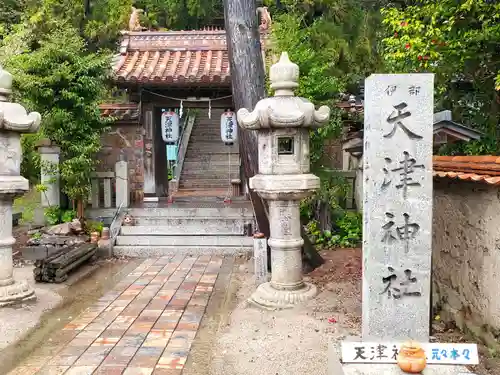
pixel 13 116
pixel 283 110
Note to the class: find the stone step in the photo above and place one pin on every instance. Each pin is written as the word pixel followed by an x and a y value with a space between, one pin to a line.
pixel 210 174
pixel 206 137
pixel 203 210
pixel 184 227
pixel 218 157
pixel 188 240
pixel 157 251
pixel 215 143
pixel 221 165
pixel 197 149
pixel 202 184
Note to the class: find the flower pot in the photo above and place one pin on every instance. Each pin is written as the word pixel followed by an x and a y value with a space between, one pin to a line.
pixel 411 358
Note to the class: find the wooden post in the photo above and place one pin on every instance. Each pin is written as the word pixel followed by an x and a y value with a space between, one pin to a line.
pixel 248 84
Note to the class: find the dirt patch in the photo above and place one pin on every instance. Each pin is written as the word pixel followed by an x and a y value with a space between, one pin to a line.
pixel 20 234
pixel 341 274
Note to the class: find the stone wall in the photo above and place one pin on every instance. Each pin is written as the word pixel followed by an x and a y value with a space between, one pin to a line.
pixel 332 155
pixel 124 142
pixel 466 255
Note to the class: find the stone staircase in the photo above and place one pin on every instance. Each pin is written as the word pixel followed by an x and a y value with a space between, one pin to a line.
pixel 196 227
pixel 206 164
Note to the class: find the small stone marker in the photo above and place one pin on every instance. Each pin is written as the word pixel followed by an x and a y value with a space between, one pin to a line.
pixel 437 353
pixel 397 188
pixel 260 258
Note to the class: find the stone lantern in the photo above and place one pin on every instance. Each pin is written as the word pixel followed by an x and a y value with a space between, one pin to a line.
pixel 283 123
pixel 14 120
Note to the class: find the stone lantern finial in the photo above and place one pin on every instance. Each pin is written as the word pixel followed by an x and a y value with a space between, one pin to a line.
pixel 284 76
pixel 5 84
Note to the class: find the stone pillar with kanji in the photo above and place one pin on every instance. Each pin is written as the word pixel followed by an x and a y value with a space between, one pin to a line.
pixel 283 123
pixel 14 120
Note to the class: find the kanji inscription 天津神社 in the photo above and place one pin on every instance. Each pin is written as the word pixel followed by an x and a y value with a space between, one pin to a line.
pixel 397 211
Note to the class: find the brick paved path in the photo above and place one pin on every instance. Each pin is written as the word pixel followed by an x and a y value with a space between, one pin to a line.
pixel 144 326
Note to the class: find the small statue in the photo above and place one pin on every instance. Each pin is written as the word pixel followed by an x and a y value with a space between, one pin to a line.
pixel 135 23
pixel 128 220
pixel 265 19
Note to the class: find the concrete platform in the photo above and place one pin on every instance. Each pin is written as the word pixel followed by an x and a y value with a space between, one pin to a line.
pixel 378 369
pixel 157 251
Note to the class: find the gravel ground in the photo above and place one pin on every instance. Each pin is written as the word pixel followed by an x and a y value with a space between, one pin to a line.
pixel 292 341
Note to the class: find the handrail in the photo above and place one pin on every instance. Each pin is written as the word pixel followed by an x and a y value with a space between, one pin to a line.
pixel 182 145
pixel 116 224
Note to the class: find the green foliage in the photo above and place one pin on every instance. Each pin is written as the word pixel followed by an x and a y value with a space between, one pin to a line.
pixel 333 43
pixel 93 226
pixel 53 215
pixel 65 84
pixel 333 190
pixel 36 236
pixel 346 233
pixel 10 14
pixel 179 14
pixel 459 42
pixel 68 216
pixel 350 229
pixel 27 205
pixel 30 163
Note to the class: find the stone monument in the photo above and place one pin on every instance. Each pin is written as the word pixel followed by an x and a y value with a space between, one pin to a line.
pixel 49 157
pixel 283 123
pixel 14 120
pixel 397 207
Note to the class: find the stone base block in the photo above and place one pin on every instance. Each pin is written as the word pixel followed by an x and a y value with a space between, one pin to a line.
pixel 267 297
pixel 19 291
pixel 378 369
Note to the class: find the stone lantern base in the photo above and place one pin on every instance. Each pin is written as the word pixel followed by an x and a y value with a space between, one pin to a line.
pixel 268 297
pixel 17 292
pixel 11 291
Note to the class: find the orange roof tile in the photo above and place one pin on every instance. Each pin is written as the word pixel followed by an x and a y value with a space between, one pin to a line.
pixel 122 111
pixel 174 57
pixel 484 169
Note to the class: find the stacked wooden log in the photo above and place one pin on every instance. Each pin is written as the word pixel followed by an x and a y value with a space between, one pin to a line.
pixel 55 267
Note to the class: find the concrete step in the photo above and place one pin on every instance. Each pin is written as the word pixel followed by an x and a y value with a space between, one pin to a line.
pixel 157 251
pixel 203 210
pixel 185 227
pixel 189 240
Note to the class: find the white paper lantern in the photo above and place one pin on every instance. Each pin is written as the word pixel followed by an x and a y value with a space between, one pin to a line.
pixel 228 127
pixel 170 127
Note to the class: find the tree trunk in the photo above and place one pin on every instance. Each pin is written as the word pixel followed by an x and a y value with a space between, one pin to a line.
pixel 248 84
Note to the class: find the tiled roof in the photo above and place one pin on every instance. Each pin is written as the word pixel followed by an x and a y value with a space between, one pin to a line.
pixel 121 111
pixel 484 169
pixel 174 57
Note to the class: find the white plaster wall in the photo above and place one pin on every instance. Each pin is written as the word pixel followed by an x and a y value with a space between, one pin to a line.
pixel 466 254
